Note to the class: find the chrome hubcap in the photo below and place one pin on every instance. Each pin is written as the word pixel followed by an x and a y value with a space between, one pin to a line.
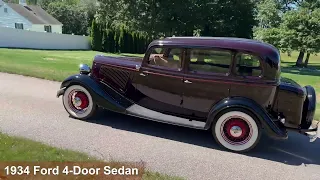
pixel 76 101
pixel 236 131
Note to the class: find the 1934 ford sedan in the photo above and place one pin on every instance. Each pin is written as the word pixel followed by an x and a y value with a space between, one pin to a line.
pixel 230 86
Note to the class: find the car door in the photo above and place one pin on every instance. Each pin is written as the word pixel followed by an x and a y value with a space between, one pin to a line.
pixel 160 80
pixel 205 83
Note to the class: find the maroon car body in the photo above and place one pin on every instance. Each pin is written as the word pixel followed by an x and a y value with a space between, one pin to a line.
pixel 230 85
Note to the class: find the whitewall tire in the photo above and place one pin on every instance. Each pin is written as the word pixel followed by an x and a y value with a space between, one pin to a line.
pixel 236 130
pixel 78 102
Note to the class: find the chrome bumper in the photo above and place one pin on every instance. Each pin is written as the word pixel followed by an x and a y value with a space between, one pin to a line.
pixel 314 134
pixel 61 91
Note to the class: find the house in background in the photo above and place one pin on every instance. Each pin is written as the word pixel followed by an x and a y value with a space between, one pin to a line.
pixel 28 17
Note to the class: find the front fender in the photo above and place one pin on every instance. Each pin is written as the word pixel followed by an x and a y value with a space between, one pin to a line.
pixel 102 98
pixel 266 121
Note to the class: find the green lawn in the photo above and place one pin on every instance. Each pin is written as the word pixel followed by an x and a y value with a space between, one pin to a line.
pixel 51 65
pixel 20 149
pixel 57 65
pixel 24 150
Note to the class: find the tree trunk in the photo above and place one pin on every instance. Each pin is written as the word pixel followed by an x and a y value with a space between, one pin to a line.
pixel 299 62
pixel 307 60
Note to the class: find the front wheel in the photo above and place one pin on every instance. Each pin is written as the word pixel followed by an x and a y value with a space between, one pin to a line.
pixel 237 130
pixel 78 102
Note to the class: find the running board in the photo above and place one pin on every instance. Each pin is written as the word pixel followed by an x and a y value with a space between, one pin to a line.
pixel 142 112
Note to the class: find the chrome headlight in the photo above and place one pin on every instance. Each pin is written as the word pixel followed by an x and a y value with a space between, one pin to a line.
pixel 84 69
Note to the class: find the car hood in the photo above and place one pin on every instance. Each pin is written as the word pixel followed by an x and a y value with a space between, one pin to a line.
pixel 124 62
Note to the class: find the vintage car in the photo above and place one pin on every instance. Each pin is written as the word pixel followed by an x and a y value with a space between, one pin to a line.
pixel 230 86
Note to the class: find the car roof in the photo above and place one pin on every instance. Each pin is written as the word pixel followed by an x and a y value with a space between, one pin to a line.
pixel 254 46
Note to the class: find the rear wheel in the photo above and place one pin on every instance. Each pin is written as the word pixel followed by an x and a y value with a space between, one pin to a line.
pixel 78 102
pixel 237 130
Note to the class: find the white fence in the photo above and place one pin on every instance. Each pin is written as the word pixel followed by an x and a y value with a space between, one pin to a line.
pixel 15 38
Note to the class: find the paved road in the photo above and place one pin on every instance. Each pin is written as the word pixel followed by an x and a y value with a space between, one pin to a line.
pixel 29 108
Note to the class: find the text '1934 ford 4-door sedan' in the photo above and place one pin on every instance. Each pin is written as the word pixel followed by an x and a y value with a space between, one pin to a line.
pixel 230 86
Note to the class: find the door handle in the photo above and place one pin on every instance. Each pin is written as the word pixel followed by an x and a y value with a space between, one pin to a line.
pixel 187 81
pixel 144 73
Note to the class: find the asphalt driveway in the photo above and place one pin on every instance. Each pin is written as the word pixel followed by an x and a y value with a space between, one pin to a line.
pixel 29 108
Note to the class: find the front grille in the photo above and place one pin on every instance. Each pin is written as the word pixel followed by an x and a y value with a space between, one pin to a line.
pixel 118 77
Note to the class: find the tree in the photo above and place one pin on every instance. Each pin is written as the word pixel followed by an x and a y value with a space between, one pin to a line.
pixel 111 13
pixel 116 38
pixel 96 40
pixel 90 7
pixel 121 40
pixel 225 18
pixel 45 3
pixel 269 14
pixel 111 41
pixel 185 17
pixel 135 40
pixel 32 2
pixel 105 41
pixel 293 26
pixel 269 35
pixel 73 17
pixel 301 30
pixel 11 1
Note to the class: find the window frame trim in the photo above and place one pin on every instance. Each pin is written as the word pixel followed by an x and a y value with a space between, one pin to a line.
pixel 188 60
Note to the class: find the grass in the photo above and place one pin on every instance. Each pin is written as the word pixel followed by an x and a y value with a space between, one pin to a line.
pixel 19 149
pixel 23 150
pixel 57 65
pixel 51 65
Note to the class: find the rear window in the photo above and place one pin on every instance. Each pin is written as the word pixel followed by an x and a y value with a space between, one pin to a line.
pixel 248 65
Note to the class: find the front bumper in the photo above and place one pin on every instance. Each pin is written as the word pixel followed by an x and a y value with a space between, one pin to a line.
pixel 61 92
pixel 315 133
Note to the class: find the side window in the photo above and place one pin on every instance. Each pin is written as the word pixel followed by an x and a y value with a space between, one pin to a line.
pixel 211 61
pixel 247 65
pixel 166 58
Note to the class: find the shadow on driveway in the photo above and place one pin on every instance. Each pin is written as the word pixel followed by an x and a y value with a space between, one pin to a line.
pixel 296 150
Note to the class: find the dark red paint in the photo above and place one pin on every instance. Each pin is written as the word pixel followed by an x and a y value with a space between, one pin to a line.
pixel 192 95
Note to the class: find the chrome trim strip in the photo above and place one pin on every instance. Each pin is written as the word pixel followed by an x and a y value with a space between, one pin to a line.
pixel 142 112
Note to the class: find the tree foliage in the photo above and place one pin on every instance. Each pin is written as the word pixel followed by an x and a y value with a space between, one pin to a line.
pixel 129 25
pixel 72 17
pixel 268 15
pixel 181 17
pixel 96 38
pixel 297 30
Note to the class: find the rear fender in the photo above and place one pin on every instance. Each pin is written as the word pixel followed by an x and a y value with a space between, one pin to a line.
pixel 266 121
pixel 101 97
